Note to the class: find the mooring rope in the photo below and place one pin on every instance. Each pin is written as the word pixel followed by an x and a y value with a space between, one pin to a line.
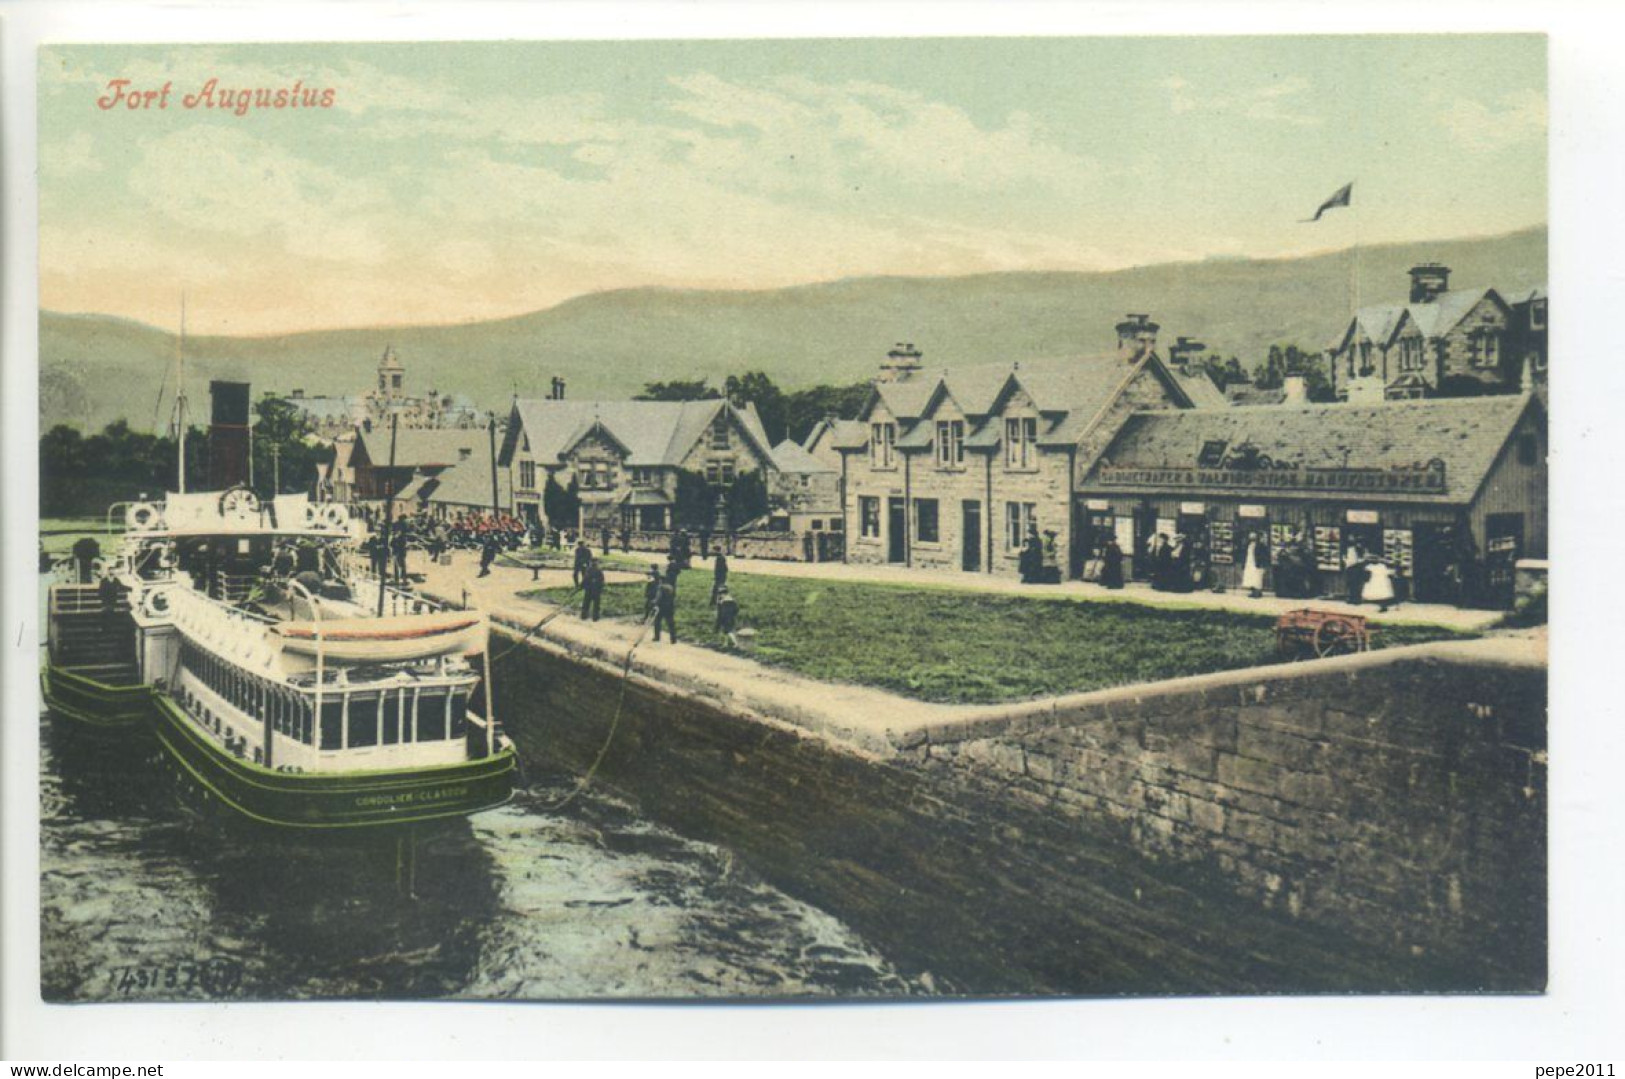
pixel 609 737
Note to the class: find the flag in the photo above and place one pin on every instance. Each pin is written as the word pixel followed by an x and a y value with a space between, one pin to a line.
pixel 1341 198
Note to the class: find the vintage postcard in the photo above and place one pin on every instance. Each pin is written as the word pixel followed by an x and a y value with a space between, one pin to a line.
pixel 793 519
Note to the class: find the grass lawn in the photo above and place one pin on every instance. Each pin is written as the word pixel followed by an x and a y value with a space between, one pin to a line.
pixel 971 648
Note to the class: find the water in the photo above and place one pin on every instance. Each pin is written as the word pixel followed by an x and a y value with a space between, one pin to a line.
pixel 145 899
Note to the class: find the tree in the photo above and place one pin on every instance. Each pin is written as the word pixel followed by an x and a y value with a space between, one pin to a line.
pixel 806 407
pixel 561 506
pixel 678 390
pixel 1286 361
pixel 756 388
pixel 285 458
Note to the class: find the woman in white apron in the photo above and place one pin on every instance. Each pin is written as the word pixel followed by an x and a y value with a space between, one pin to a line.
pixel 1379 584
pixel 1252 576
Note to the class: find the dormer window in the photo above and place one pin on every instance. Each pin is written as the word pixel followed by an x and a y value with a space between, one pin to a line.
pixel 1487 350
pixel 719 432
pixel 1021 442
pixel 883 445
pixel 950 443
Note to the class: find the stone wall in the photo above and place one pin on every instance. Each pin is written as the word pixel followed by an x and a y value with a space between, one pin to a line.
pixel 1402 802
pixel 1369 824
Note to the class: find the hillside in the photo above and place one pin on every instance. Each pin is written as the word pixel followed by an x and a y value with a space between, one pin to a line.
pixel 95 368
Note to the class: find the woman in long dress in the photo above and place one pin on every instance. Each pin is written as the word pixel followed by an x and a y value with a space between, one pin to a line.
pixel 1252 577
pixel 1379 584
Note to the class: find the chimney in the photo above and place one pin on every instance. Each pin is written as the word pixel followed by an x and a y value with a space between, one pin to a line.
pixel 228 434
pixel 1295 390
pixel 297 395
pixel 1136 338
pixel 557 392
pixel 900 364
pixel 1428 280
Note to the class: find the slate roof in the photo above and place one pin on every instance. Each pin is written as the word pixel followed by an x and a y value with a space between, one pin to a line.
pixel 1201 389
pixel 653 432
pixel 423 447
pixel 1466 433
pixel 1439 316
pixel 1069 394
pixel 467 483
pixel 791 457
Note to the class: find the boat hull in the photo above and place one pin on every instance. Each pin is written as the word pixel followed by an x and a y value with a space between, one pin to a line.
pixel 94 704
pixel 339 800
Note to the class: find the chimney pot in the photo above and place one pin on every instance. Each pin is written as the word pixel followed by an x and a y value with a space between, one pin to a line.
pixel 1428 280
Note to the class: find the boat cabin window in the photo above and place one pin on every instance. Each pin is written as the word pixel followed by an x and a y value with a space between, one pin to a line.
pixel 432 705
pixel 459 714
pixel 332 722
pixel 363 719
pixel 391 732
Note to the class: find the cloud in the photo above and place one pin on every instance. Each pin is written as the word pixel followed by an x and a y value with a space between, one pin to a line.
pixel 218 180
pixel 1274 102
pixel 1518 117
pixel 72 156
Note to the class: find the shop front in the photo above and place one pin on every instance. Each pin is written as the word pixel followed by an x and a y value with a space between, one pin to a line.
pixel 1338 486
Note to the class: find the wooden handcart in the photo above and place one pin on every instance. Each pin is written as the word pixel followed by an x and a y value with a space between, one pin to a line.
pixel 1308 632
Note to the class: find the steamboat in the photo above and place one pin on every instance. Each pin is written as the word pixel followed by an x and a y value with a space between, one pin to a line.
pixel 280 678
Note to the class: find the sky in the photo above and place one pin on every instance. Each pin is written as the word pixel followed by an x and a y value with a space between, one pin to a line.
pixel 456 182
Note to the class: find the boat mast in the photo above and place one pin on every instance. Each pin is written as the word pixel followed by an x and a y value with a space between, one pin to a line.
pixel 180 398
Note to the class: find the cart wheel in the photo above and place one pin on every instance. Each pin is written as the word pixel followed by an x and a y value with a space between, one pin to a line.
pixel 1336 637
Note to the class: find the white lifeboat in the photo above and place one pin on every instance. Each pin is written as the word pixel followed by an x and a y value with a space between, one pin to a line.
pixel 408 637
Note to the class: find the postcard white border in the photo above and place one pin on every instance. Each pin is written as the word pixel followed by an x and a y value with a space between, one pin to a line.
pixel 1573 1021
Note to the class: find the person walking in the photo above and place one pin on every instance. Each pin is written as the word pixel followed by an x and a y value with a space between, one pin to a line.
pixel 1258 557
pixel 488 555
pixel 666 605
pixel 727 616
pixel 592 591
pixel 1111 564
pixel 583 559
pixel 719 577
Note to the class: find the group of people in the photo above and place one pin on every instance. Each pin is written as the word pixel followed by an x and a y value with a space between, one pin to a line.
pixel 659 593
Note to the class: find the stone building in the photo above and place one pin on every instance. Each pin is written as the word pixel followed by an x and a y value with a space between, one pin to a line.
pixel 805 491
pixel 950 470
pixel 330 417
pixel 1424 485
pixel 1442 342
pixel 626 456
pixel 417 453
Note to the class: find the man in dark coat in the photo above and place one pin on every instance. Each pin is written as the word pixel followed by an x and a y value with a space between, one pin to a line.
pixel 583 558
pixel 488 554
pixel 592 591
pixel 85 552
pixel 651 593
pixel 719 577
pixel 666 605
pixel 397 548
pixel 377 555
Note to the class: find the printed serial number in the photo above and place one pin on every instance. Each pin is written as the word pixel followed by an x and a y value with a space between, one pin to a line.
pixel 216 977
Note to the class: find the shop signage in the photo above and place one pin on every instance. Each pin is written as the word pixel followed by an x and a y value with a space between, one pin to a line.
pixel 1423 479
pixel 1363 517
pixel 1250 511
pixel 1194 509
pixel 1098 504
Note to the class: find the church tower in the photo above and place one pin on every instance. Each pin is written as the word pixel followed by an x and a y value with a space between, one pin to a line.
pixel 391 375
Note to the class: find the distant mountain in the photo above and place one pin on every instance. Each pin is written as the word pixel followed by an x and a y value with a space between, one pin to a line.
pixel 96 368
